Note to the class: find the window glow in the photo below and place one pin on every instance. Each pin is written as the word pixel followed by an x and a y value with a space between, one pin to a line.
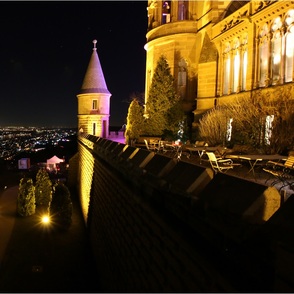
pixel 263 56
pixel 227 69
pixel 290 17
pixel 276 57
pixel 236 72
pixel 263 62
pixel 289 55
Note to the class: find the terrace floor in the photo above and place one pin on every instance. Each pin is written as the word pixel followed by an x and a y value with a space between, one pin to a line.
pixel 242 171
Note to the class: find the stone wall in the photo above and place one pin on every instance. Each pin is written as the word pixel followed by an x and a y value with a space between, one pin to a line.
pixel 158 225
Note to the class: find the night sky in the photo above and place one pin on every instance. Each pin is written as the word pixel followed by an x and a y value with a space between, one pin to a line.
pixel 45 50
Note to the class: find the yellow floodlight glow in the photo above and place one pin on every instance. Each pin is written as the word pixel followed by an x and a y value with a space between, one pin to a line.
pixel 45 219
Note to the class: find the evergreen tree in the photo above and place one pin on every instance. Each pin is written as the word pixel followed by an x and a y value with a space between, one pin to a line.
pixel 43 189
pixel 135 121
pixel 26 197
pixel 163 106
pixel 61 205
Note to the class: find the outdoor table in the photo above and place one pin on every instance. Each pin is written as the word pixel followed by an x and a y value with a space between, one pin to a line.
pixel 253 159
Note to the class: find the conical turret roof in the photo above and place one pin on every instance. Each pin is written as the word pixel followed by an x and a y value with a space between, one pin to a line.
pixel 94 81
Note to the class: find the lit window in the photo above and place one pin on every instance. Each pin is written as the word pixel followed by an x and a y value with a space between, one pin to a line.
pixel 276 51
pixel 227 70
pixel 289 20
pixel 236 71
pixel 244 63
pixel 244 70
pixel 263 56
pixel 166 12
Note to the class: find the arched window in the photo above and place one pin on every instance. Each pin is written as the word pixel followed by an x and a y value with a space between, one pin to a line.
pixel 236 69
pixel 276 51
pixel 227 69
pixel 289 44
pixel 263 56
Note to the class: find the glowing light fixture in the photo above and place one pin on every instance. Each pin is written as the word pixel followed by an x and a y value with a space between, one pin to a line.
pixel 45 219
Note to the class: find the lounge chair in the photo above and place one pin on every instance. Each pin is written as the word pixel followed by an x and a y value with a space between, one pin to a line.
pixel 219 164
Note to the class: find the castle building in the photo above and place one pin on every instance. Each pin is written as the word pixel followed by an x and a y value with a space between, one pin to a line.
pixel 94 100
pixel 221 50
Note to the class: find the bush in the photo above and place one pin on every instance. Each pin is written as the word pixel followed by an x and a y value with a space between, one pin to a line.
pixel 26 197
pixel 61 206
pixel 43 189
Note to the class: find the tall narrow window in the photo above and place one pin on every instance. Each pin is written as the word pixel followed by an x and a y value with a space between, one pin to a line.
pixel 94 129
pixel 276 50
pixel 244 70
pixel 289 21
pixel 263 57
pixel 166 12
pixel 244 63
pixel 182 10
pixel 236 70
pixel 227 70
pixel 94 104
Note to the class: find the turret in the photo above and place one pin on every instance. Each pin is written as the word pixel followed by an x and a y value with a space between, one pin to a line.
pixel 94 100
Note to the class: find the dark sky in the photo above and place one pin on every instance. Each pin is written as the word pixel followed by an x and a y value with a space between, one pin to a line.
pixel 45 50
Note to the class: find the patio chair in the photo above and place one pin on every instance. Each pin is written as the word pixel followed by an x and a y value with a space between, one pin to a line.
pixel 283 172
pixel 162 148
pixel 150 147
pixel 219 164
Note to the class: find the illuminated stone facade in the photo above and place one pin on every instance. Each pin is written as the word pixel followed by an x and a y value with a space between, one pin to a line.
pixel 94 100
pixel 218 50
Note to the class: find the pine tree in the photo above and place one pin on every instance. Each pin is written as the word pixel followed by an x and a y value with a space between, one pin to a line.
pixel 135 121
pixel 43 189
pixel 26 197
pixel 61 205
pixel 163 106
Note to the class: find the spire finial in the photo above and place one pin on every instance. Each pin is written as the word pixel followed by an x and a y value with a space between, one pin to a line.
pixel 94 42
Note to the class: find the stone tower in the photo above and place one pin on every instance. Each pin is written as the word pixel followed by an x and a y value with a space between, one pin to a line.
pixel 182 32
pixel 94 100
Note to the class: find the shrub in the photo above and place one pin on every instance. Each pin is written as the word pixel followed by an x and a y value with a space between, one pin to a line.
pixel 135 121
pixel 26 197
pixel 61 206
pixel 43 189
